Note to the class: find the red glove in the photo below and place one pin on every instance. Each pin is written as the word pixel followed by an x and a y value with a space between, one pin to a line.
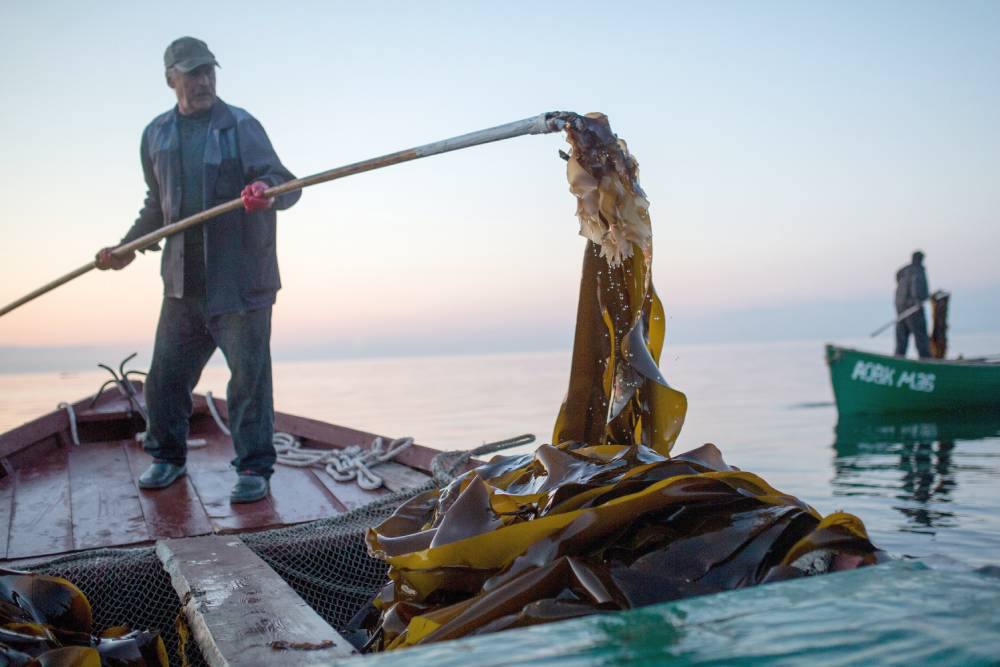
pixel 253 197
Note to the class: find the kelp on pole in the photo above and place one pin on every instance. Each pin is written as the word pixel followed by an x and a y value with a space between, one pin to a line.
pixel 544 123
pixel 605 518
pixel 616 391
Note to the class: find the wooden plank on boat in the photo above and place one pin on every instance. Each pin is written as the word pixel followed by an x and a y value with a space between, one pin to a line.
pixel 175 511
pixel 240 611
pixel 28 434
pixel 111 405
pixel 213 478
pixel 103 497
pixel 313 429
pixel 113 410
pixel 38 452
pixel 397 477
pixel 6 505
pixel 213 487
pixel 41 521
pixel 296 495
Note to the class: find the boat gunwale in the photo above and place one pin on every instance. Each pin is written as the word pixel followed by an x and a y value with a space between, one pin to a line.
pixel 976 362
pixel 941 385
pixel 56 424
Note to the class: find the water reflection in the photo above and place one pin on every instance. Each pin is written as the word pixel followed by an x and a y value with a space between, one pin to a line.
pixel 910 458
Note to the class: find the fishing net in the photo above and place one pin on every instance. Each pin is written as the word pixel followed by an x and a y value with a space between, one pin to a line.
pixel 327 561
pixel 605 518
pixel 128 587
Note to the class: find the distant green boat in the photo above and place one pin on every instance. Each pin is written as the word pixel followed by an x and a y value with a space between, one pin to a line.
pixel 869 383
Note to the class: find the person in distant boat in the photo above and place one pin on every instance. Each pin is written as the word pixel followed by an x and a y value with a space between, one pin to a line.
pixel 911 292
pixel 220 278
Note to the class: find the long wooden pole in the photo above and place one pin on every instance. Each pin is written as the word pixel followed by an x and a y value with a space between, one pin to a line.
pixel 552 121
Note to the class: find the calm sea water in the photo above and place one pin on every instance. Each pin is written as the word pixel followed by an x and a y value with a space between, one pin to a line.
pixel 924 487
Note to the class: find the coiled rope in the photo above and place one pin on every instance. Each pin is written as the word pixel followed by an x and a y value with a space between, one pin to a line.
pixel 343 465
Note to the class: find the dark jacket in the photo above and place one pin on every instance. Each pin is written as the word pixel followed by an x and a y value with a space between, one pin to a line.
pixel 911 286
pixel 241 262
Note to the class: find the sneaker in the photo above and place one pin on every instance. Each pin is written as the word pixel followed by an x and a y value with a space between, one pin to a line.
pixel 161 475
pixel 250 487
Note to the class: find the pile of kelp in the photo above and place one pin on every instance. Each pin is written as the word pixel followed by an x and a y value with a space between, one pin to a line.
pixel 606 519
pixel 46 622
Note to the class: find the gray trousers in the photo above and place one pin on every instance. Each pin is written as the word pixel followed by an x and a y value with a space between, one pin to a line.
pixel 185 340
pixel 915 324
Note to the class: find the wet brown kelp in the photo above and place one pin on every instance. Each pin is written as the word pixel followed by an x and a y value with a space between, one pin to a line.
pixel 46 622
pixel 605 518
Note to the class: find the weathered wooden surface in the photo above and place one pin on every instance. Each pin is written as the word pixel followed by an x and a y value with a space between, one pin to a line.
pixel 397 477
pixel 172 512
pixel 349 494
pixel 104 500
pixel 28 434
pixel 240 611
pixel 57 497
pixel 6 507
pixel 41 521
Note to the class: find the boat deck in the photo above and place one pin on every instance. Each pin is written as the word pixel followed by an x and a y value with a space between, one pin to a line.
pixel 57 497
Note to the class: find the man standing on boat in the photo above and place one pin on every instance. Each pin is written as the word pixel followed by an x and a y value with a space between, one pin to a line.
pixel 220 278
pixel 911 292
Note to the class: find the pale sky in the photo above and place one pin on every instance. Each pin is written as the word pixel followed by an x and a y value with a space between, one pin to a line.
pixel 794 153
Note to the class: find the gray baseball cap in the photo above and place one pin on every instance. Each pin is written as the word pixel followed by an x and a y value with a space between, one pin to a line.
pixel 187 53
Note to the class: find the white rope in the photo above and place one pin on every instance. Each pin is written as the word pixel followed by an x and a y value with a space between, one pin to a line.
pixel 215 414
pixel 72 422
pixel 343 465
